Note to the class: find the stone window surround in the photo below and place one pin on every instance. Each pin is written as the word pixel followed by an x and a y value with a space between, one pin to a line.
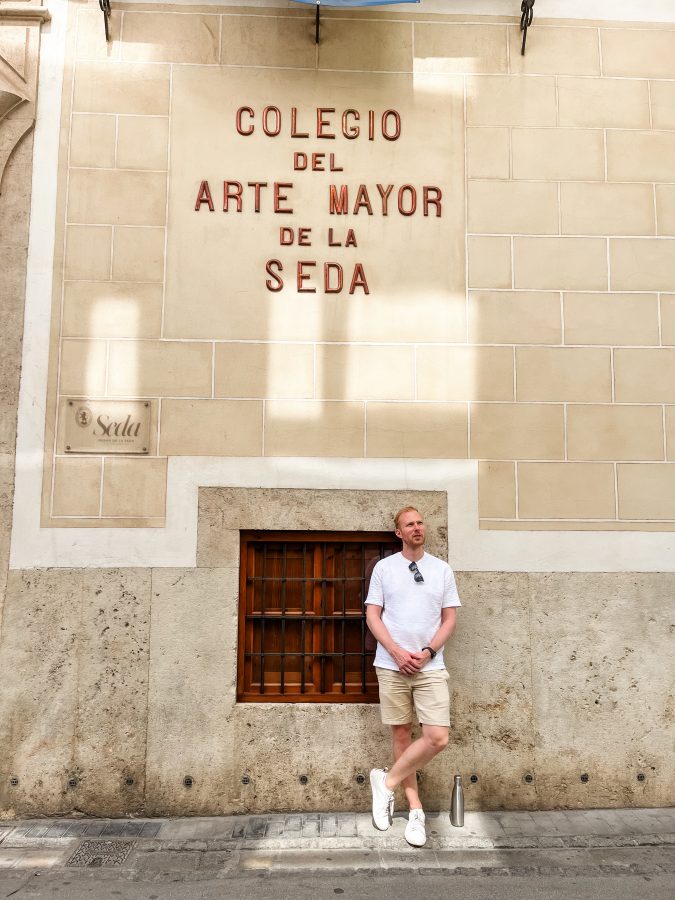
pixel 224 512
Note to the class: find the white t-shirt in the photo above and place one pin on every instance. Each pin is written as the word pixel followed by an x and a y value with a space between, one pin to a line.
pixel 412 610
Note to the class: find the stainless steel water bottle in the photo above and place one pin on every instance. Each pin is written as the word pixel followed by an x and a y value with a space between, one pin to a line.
pixel 457 803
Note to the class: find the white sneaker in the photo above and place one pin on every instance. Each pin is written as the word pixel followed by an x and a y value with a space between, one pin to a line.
pixel 383 800
pixel 415 833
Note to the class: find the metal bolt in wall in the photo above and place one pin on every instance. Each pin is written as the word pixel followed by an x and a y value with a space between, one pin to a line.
pixel 641 777
pixel 473 779
pixel 245 779
pixel 14 781
pixel 72 782
pixel 360 778
pixel 303 779
pixel 528 778
pixel 584 779
pixel 129 781
pixel 188 781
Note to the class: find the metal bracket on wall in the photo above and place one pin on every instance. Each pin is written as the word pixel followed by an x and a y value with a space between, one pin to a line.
pixel 105 9
pixel 526 16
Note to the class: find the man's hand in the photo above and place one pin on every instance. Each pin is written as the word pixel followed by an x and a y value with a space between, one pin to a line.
pixel 406 662
pixel 410 663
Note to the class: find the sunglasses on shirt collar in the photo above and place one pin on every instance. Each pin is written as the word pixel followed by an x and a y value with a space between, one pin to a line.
pixel 417 575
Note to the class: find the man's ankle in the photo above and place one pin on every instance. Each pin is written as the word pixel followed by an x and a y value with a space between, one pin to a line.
pixel 388 786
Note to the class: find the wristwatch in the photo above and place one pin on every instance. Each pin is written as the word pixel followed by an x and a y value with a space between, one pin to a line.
pixel 432 652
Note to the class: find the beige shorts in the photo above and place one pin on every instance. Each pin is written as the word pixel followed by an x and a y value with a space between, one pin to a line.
pixel 426 693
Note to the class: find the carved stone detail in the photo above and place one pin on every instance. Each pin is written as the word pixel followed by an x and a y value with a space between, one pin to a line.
pixel 19 52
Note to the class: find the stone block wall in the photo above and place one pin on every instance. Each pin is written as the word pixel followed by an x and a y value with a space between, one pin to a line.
pixel 553 365
pixel 131 674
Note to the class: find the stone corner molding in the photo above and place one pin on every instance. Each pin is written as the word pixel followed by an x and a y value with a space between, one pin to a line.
pixel 24 12
pixel 20 26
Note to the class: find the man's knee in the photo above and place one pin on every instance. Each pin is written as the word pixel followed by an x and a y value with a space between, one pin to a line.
pixel 437 737
pixel 401 735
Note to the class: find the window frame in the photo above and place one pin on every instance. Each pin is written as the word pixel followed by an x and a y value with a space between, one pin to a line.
pixel 322 639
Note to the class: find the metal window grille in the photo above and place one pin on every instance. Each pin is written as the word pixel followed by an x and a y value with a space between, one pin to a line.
pixel 302 630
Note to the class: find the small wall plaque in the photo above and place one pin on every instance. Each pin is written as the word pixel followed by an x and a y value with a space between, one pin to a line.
pixel 107 426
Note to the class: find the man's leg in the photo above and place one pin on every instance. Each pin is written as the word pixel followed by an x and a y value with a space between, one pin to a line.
pixel 417 755
pixel 396 708
pixel 402 740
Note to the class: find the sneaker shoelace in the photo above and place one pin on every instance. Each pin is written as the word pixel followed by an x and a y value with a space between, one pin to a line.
pixel 416 820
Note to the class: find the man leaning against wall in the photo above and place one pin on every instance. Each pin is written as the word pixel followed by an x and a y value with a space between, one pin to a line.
pixel 411 609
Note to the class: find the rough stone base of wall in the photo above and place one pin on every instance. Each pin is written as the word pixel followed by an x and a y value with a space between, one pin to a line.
pixel 113 675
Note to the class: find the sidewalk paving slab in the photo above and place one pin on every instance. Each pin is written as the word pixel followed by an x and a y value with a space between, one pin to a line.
pixel 591 842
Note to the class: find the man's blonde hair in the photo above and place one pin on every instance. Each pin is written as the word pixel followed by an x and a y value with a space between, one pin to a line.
pixel 400 513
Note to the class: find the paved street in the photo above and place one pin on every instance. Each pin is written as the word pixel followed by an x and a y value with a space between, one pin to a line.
pixel 596 854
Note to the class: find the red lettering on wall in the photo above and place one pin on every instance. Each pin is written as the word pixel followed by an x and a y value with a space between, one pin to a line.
pixel 277 283
pixel 350 131
pixel 294 132
pixel 327 269
pixel 240 112
pixel 362 199
pixel 322 123
pixel 232 191
pixel 304 276
pixel 359 280
pixel 256 185
pixel 432 200
pixel 204 196
pixel 412 205
pixel 395 134
pixel 279 197
pixel 273 121
pixel 385 196
pixel 337 205
pixel 276 128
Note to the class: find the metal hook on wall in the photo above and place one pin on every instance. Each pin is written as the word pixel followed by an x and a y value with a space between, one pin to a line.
pixel 526 16
pixel 105 9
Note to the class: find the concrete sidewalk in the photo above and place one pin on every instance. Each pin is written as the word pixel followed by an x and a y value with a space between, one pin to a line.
pixel 583 842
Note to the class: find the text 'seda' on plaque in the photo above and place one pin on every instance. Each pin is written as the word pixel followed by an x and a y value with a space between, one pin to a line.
pixel 107 426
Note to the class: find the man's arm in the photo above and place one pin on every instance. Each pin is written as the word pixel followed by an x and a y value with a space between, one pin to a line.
pixel 448 623
pixel 406 662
